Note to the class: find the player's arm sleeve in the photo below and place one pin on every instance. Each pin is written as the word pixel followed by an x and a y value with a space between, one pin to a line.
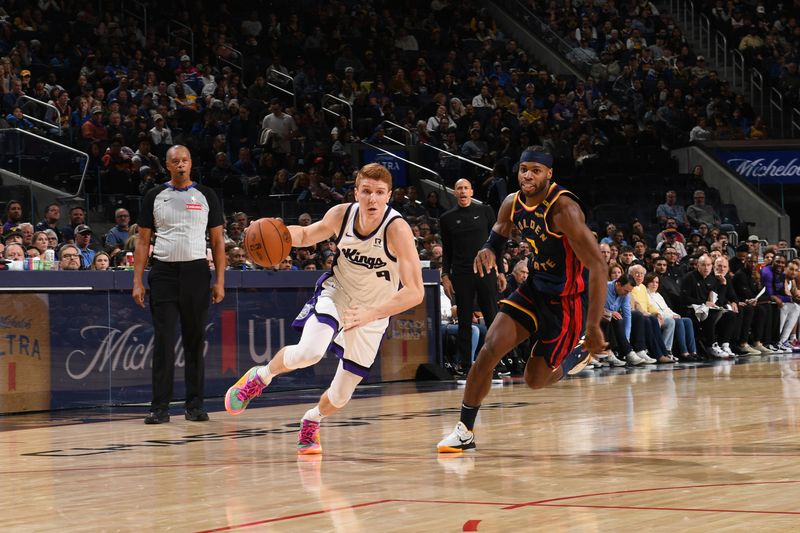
pixel 145 219
pixel 626 316
pixel 215 215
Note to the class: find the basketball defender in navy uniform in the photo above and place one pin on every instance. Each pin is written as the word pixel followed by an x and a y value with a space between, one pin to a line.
pixel 559 300
pixel 376 274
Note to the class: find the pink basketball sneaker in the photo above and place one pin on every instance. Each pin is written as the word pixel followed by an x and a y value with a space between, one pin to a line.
pixel 308 442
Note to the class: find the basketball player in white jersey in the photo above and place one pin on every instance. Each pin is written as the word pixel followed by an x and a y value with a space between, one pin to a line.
pixel 352 303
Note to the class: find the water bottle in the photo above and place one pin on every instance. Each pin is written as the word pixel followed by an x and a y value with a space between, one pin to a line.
pixel 36 264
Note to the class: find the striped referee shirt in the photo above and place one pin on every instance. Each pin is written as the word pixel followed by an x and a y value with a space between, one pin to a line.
pixel 180 218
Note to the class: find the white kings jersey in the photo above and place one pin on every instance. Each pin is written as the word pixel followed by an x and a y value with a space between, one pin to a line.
pixel 364 268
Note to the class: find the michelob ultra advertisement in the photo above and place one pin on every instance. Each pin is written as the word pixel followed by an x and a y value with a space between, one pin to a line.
pixel 24 353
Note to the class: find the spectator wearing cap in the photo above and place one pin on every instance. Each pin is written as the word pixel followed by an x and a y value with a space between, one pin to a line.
pixel 754 246
pixel 475 148
pixel 699 70
pixel 148 158
pixel 95 129
pixel 670 241
pixel 83 238
pixel 190 74
pixel 160 134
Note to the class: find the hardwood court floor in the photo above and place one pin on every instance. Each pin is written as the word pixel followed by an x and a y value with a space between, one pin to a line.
pixel 713 448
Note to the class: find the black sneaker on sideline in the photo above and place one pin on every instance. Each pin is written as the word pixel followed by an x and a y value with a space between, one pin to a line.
pixel 157 417
pixel 196 414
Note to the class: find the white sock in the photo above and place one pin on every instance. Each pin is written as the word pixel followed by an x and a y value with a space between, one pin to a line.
pixel 313 414
pixel 265 375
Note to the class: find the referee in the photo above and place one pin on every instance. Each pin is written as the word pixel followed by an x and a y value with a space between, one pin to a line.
pixel 464 229
pixel 179 212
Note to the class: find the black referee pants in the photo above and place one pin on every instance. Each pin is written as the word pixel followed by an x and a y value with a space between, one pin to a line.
pixel 467 287
pixel 179 291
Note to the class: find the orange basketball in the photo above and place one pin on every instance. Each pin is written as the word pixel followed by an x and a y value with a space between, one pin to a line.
pixel 267 242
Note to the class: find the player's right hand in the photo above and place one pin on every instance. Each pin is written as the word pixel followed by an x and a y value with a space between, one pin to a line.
pixel 594 341
pixel 484 262
pixel 447 285
pixel 138 294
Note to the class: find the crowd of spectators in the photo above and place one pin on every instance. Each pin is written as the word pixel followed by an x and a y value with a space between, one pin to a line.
pixel 767 34
pixel 641 57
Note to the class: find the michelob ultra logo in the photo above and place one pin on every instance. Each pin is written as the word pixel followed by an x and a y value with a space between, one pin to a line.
pixel 24 353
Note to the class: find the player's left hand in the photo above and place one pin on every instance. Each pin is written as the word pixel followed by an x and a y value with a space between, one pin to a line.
pixel 217 294
pixel 594 341
pixel 357 316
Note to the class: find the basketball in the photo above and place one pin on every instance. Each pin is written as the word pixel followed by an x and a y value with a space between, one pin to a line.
pixel 267 241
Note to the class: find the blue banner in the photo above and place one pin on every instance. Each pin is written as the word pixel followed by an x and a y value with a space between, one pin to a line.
pixel 397 167
pixel 763 166
pixel 101 345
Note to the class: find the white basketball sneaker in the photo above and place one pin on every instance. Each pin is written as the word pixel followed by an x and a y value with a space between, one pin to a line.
pixel 459 440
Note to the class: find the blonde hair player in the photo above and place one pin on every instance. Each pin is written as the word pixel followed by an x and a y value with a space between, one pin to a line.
pixel 352 303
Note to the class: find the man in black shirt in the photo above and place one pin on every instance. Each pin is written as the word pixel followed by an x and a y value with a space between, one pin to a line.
pixel 179 213
pixel 464 229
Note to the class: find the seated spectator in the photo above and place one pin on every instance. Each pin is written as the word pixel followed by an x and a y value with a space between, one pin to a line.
pixel 617 320
pixel 52 239
pixel 652 322
pixel 432 206
pixel 677 332
pixel 70 257
pixel 13 235
pixel 700 212
pixel 95 129
pixel 101 261
pixel 160 134
pixel 83 238
pixel 14 251
pixel 766 315
pixel 782 292
pixel 52 215
pixel 40 241
pixel 13 215
pixel 237 259
pixel 700 132
pixel 116 236
pixel 26 229
pixel 671 209
pixel 519 273
pixel 711 322
pixel 17 119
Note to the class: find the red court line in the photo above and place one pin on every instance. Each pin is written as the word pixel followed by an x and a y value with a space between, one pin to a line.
pixel 290 517
pixel 632 507
pixel 471 525
pixel 356 506
pixel 401 500
pixel 654 489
